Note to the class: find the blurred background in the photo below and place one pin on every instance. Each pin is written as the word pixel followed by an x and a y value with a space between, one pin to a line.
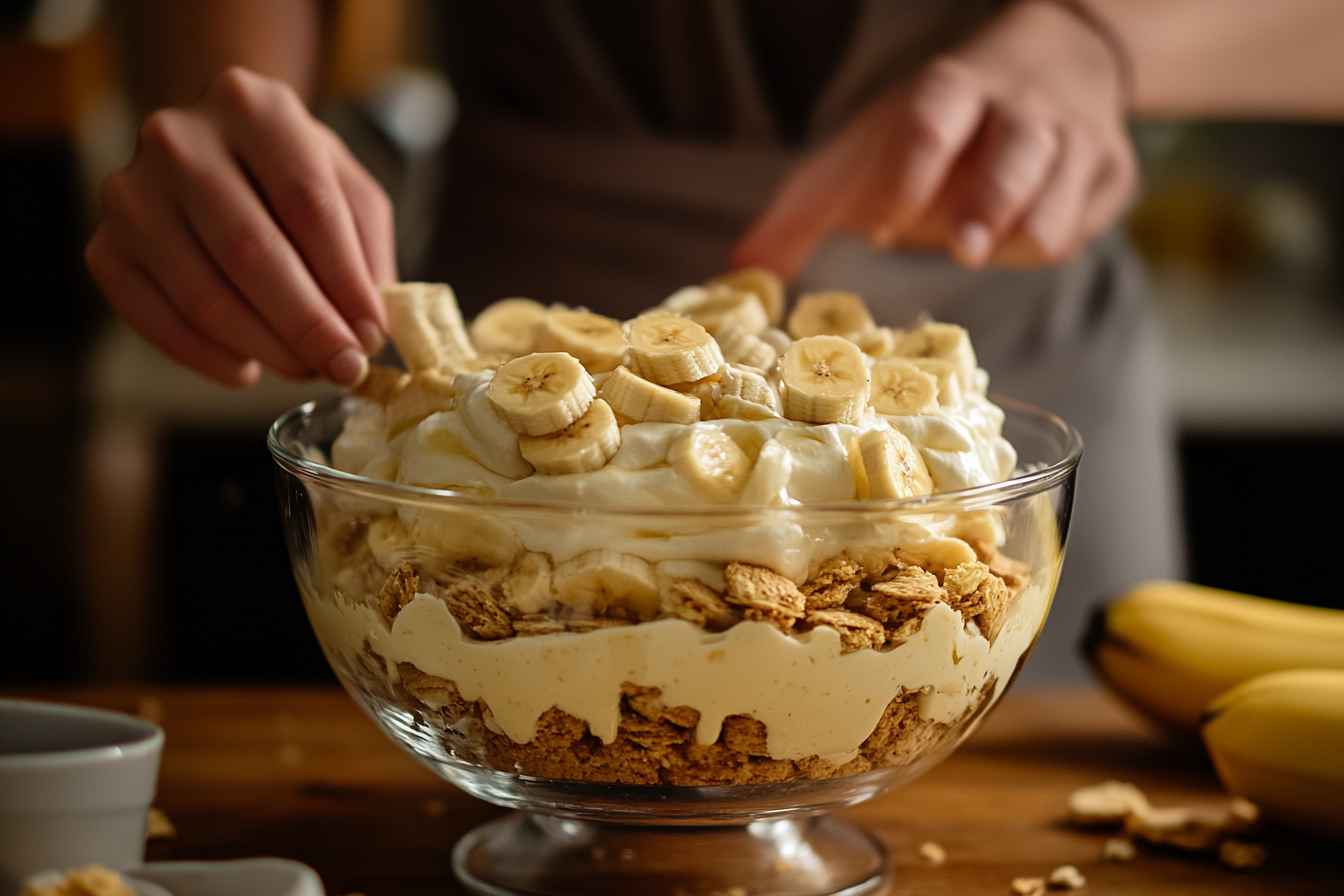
pixel 142 537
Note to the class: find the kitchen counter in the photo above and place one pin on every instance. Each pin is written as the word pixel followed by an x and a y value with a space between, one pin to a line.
pixel 299 773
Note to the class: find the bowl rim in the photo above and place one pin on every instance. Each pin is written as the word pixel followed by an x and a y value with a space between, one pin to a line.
pixel 140 737
pixel 1022 485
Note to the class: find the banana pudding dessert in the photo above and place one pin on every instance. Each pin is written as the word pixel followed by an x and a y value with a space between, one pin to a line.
pixel 693 548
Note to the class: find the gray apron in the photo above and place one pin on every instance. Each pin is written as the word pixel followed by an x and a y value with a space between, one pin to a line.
pixel 605 164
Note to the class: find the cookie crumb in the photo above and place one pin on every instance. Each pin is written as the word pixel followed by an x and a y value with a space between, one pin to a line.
pixel 91 880
pixel 398 590
pixel 1107 803
pixel 766 595
pixel 932 853
pixel 1188 829
pixel 1067 877
pixel 1242 856
pixel 158 825
pixel 1243 814
pixel 1118 849
pixel 1028 886
pixel 832 583
pixel 857 631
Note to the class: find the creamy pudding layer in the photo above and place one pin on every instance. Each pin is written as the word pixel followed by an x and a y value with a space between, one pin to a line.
pixel 814 699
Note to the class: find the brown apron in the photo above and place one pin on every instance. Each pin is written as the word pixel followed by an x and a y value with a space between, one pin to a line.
pixel 611 152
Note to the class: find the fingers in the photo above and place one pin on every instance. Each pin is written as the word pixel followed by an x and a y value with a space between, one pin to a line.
pixel 813 200
pixel 138 299
pixel 932 127
pixel 279 144
pixel 247 245
pixel 374 218
pixel 1114 188
pixel 1007 171
pixel 156 236
pixel 1053 227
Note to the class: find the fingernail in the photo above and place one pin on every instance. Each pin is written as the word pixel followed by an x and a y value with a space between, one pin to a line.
pixel 348 367
pixel 370 336
pixel 973 241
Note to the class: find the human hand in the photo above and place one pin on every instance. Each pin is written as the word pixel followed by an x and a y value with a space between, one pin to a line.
pixel 1011 149
pixel 243 233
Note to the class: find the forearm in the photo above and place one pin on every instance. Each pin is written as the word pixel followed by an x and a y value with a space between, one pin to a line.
pixel 173 49
pixel 1213 58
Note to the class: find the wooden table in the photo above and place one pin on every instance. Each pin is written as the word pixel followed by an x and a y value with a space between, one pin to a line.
pixel 300 773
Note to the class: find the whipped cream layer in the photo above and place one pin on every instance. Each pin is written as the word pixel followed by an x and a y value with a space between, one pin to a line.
pixel 813 699
pixel 794 465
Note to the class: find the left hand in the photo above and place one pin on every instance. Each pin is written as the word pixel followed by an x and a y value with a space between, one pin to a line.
pixel 1010 150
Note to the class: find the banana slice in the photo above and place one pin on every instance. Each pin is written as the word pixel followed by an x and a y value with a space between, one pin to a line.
pixel 825 380
pixel 892 467
pixel 710 460
pixel 749 385
pixel 426 392
pixel 425 323
pixel 877 343
pixel 740 393
pixel 716 306
pixel 542 393
pixel 765 285
pixel 381 384
pixel 598 342
pixel 829 314
pixel 639 400
pixel 585 445
pixel 483 420
pixel 598 580
pixel 942 342
pixel 508 327
pixel 742 347
pixel 945 372
pixel 777 339
pixel 668 349
pixel 899 387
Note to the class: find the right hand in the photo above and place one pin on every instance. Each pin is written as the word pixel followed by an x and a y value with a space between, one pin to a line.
pixel 243 233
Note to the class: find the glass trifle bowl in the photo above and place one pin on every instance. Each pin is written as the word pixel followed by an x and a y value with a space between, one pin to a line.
pixel 674 697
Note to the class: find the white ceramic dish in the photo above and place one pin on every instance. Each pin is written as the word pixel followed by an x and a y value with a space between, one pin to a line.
pixel 254 877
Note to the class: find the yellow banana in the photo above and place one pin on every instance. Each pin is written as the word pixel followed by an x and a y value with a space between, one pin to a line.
pixel 1169 647
pixel 1278 741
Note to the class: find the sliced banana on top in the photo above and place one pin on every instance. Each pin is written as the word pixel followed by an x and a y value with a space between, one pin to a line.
pixel 825 380
pixel 508 327
pixel 542 393
pixel 484 421
pixel 764 284
pixel 709 459
pixel 636 399
pixel 598 342
pixel 776 339
pixel 717 305
pixel 829 314
pixel 742 347
pixel 899 387
pixel 945 372
pixel 876 343
pixel 585 445
pixel 425 322
pixel 942 342
pixel 426 392
pixel 668 349
pixel 892 466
